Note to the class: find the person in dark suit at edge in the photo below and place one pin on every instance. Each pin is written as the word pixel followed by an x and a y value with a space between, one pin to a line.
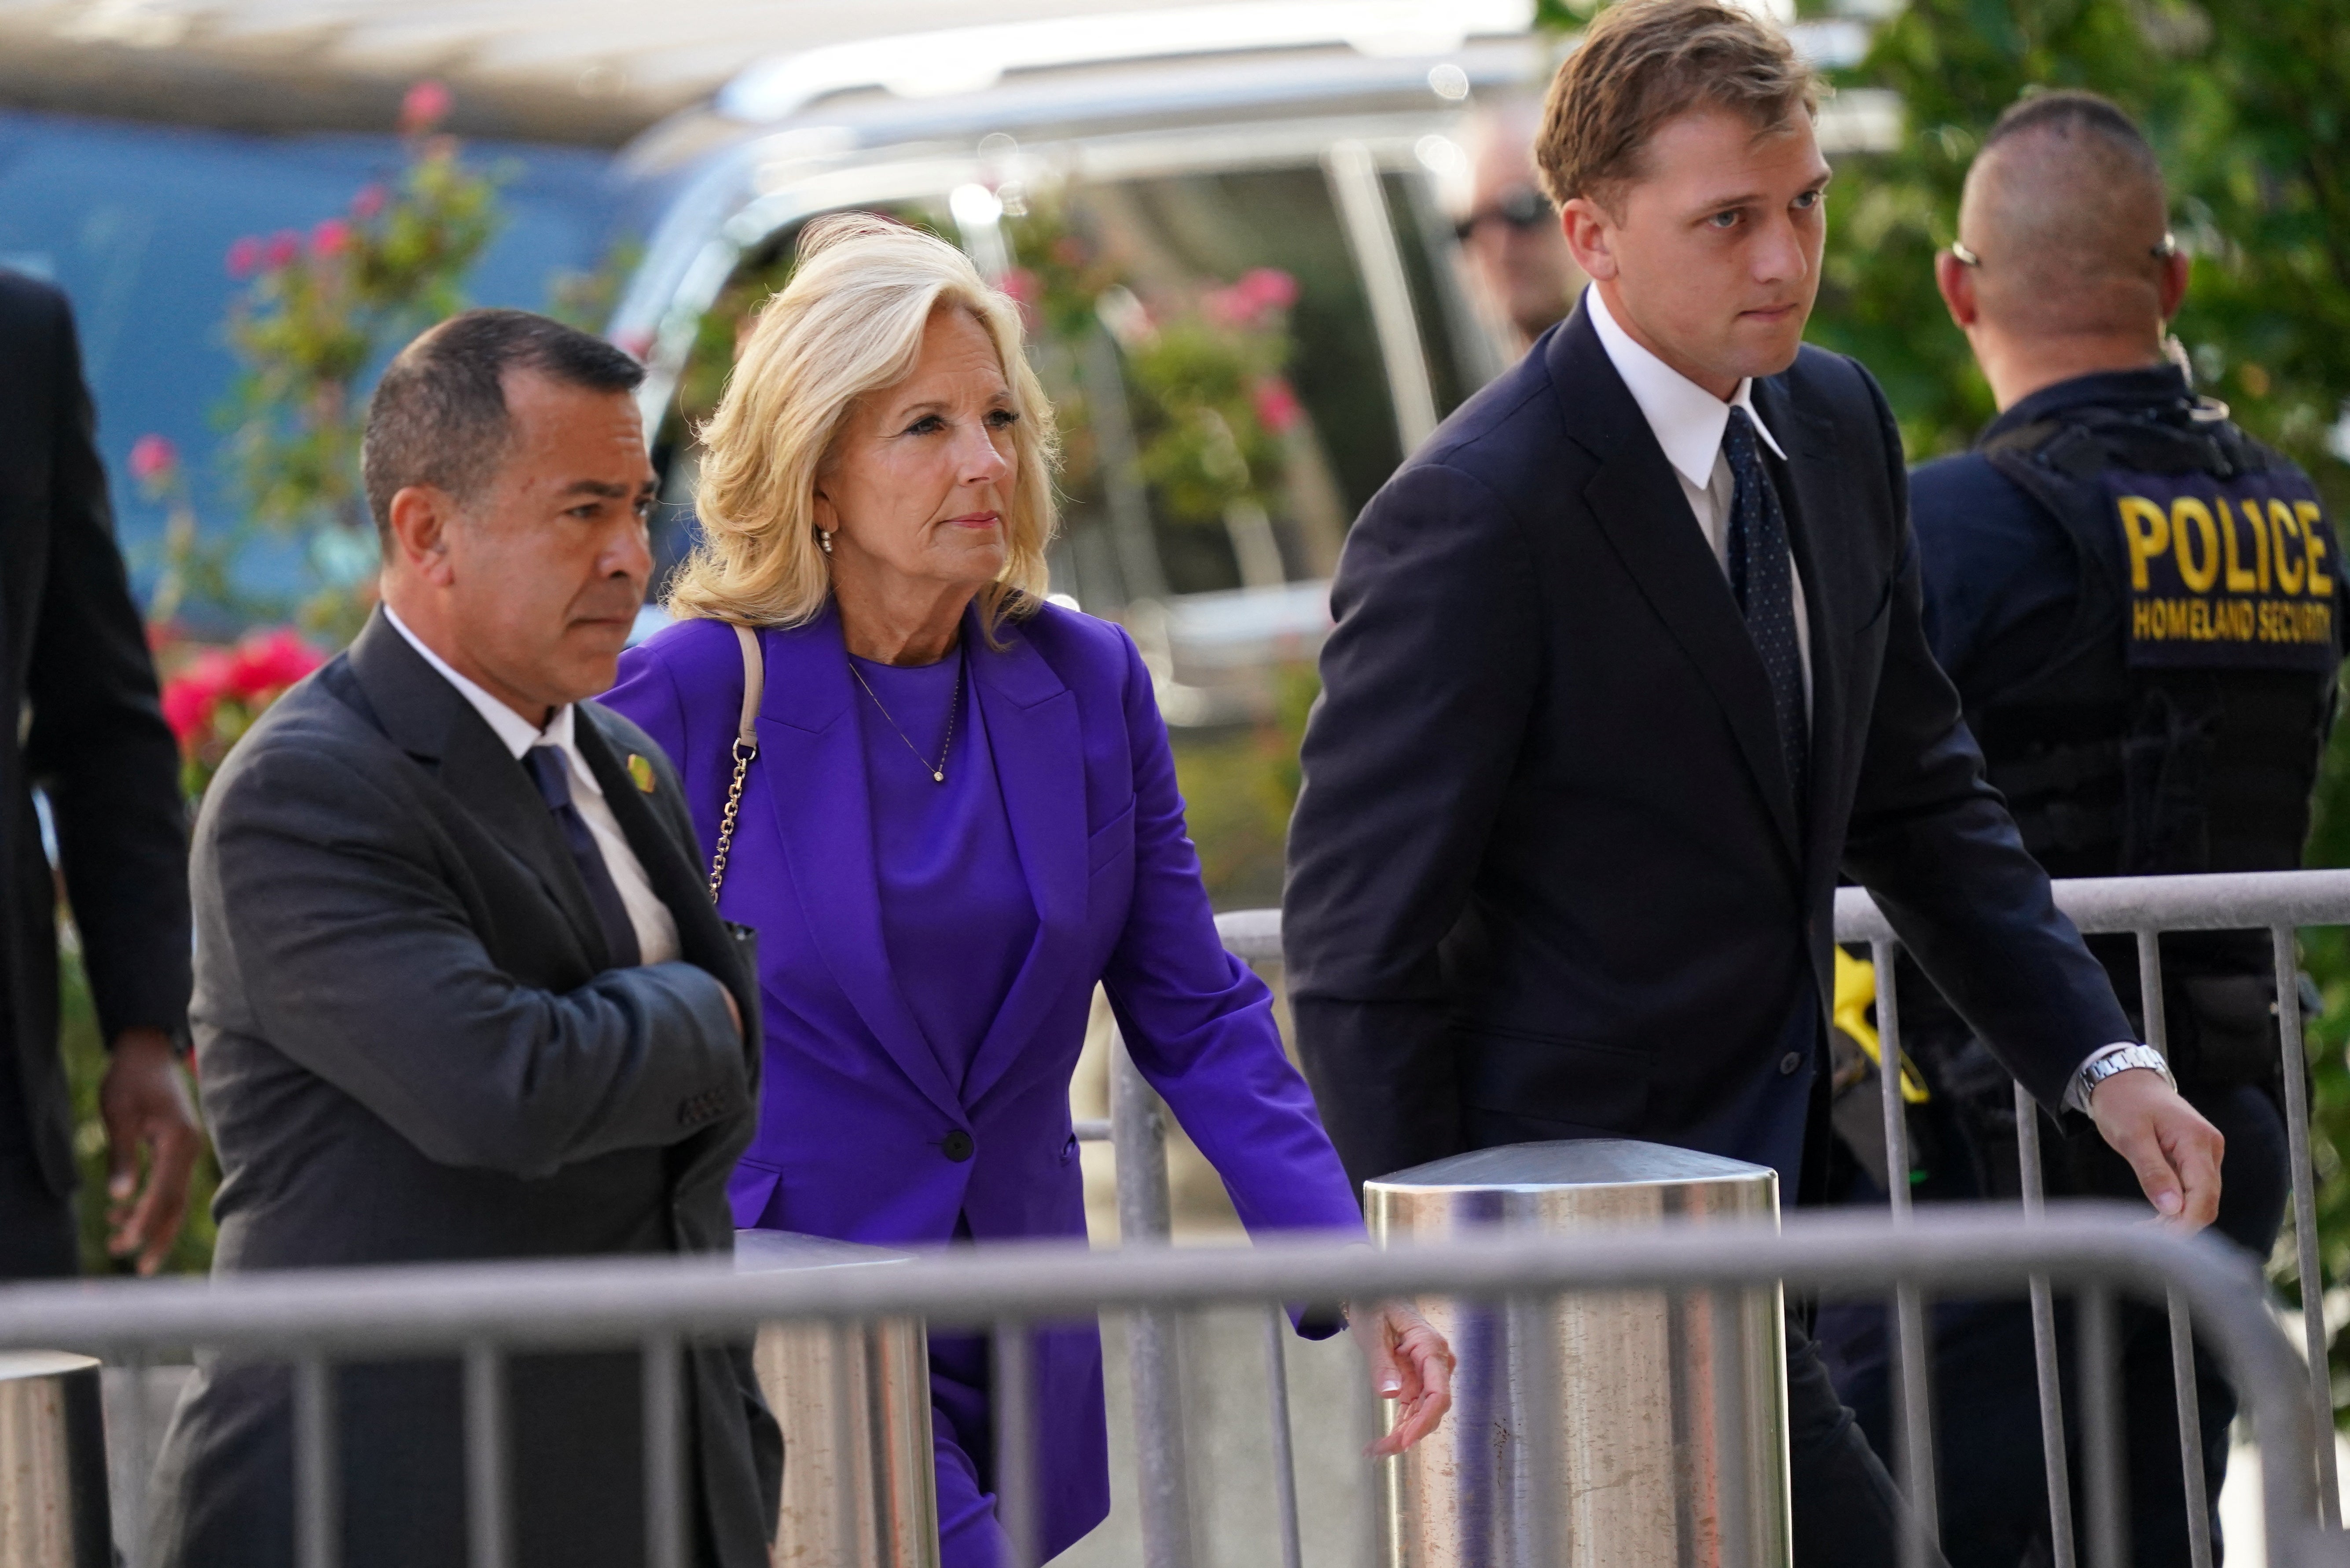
pixel 461 993
pixel 1628 666
pixel 74 661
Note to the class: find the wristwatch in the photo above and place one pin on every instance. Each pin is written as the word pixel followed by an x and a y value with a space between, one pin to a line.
pixel 2121 1059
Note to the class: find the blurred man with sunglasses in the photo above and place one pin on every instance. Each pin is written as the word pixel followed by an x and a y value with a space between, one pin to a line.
pixel 1509 233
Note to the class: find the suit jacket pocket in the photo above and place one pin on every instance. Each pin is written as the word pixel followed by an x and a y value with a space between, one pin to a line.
pixel 1113 836
pixel 1580 1085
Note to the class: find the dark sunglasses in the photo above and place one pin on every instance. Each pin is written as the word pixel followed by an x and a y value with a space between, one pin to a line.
pixel 1522 207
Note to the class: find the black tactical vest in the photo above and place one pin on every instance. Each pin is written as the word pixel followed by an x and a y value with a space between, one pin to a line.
pixel 2178 725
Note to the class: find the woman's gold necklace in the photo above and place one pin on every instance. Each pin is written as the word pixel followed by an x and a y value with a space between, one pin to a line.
pixel 938 770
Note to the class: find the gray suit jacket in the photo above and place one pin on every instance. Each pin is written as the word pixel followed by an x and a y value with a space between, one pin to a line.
pixel 411 1049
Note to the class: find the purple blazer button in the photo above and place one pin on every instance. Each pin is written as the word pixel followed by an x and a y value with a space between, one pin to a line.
pixel 958 1145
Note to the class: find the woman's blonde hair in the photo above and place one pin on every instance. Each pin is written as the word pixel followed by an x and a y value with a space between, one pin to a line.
pixel 849 322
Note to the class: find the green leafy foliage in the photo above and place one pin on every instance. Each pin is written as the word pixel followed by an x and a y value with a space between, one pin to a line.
pixel 1239 787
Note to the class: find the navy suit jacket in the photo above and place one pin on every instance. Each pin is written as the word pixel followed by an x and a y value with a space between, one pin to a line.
pixel 1547 877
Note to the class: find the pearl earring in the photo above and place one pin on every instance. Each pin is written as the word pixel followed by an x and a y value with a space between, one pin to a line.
pixel 824 540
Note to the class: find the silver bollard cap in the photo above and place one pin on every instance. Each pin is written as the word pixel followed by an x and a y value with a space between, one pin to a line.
pixel 1567 1184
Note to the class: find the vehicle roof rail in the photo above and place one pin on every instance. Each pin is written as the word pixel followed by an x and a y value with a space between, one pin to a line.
pixel 972 59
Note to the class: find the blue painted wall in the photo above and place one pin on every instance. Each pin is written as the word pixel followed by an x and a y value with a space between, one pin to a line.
pixel 134 223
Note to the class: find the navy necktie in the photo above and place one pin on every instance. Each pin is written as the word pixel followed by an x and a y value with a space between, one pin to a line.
pixel 1762 574
pixel 553 780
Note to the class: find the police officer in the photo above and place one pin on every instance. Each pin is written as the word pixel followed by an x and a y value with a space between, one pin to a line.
pixel 2141 608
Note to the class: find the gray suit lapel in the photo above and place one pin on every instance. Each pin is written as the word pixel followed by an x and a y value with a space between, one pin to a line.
pixel 429 720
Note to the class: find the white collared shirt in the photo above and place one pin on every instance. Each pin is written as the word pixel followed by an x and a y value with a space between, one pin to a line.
pixel 1689 422
pixel 656 928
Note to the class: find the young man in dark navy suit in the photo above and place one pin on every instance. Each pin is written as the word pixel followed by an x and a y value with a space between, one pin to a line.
pixel 1628 669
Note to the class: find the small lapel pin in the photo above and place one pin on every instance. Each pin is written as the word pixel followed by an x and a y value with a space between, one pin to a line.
pixel 640 773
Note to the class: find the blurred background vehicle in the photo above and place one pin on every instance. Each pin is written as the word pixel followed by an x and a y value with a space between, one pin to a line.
pixel 1234 225
pixel 1234 228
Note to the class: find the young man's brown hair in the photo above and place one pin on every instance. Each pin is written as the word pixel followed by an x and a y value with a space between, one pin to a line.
pixel 1641 63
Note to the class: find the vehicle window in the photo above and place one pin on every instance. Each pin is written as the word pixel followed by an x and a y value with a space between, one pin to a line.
pixel 1207 345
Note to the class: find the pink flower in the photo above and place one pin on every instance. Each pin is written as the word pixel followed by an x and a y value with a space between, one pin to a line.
pixel 1226 308
pixel 367 202
pixel 245 257
pixel 187 708
pixel 1276 405
pixel 191 697
pixel 1267 288
pixel 152 458
pixel 267 662
pixel 284 249
pixel 1027 291
pixel 426 103
pixel 331 237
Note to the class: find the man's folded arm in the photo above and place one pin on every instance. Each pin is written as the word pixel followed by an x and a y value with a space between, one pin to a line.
pixel 1932 841
pixel 371 977
pixel 1426 680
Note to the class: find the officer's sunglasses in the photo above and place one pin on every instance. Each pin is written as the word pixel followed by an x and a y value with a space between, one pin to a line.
pixel 2167 248
pixel 1522 207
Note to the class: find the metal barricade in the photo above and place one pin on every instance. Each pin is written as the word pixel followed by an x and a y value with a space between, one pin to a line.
pixel 2280 902
pixel 487 1313
pixel 2146 907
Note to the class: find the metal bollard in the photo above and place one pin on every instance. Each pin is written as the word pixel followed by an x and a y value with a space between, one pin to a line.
pixel 853 1400
pixel 1603 1430
pixel 53 1509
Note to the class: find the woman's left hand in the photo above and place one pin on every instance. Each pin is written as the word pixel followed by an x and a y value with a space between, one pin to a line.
pixel 1410 1364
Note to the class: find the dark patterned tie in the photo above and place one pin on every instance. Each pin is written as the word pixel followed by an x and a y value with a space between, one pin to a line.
pixel 1762 574
pixel 554 779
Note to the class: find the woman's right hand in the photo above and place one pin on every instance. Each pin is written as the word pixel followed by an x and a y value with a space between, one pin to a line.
pixel 1411 1364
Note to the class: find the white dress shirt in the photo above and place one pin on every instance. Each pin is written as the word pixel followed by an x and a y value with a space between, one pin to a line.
pixel 656 928
pixel 1689 422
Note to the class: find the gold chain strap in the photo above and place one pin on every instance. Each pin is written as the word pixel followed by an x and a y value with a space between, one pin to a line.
pixel 743 753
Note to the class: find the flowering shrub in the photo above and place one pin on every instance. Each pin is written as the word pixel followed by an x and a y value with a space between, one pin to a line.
pixel 319 311
pixel 1210 402
pixel 156 469
pixel 212 696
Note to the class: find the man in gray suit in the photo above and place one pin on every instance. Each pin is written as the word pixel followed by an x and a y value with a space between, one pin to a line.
pixel 460 992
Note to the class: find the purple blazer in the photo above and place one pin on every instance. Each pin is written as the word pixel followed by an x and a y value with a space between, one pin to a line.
pixel 857 1112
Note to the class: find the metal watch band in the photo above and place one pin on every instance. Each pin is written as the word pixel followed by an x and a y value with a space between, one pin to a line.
pixel 2105 1064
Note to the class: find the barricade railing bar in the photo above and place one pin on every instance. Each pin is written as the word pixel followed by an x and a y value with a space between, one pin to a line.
pixel 2279 902
pixel 1155 1287
pixel 482 1315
